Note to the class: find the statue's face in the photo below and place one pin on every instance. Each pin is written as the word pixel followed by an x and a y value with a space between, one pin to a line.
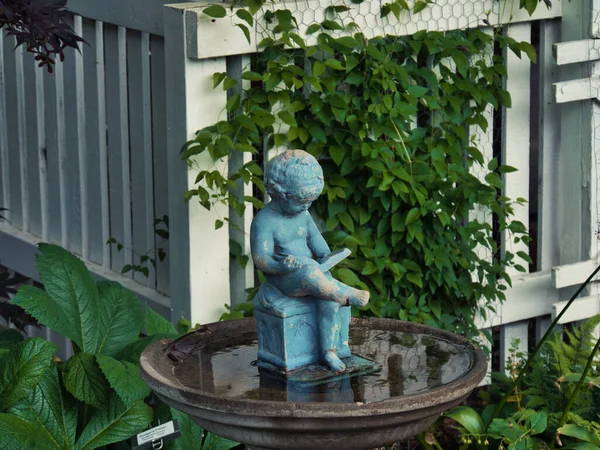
pixel 291 205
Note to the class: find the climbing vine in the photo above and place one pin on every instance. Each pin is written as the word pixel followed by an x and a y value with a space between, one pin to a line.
pixel 393 122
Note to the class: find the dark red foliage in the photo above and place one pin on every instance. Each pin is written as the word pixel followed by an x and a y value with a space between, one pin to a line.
pixel 39 25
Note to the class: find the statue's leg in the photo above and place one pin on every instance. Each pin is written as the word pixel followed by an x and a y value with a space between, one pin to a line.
pixel 329 328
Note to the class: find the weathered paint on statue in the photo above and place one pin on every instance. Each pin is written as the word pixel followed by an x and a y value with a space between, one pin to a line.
pixel 288 248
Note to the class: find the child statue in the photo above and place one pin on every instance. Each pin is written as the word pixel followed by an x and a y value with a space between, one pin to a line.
pixel 288 248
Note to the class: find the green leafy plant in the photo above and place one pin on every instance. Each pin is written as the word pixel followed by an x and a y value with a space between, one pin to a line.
pixel 393 122
pixel 97 396
pixel 161 229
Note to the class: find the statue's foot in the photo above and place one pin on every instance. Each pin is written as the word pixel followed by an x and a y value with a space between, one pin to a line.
pixel 358 297
pixel 334 362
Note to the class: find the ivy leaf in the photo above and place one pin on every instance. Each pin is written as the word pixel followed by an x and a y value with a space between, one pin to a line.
pixel 245 15
pixel 124 378
pixel 529 49
pixel 347 276
pixel 318 68
pixel 23 368
pixel 83 378
pixel 71 302
pixel 157 324
pixel 114 422
pixel 313 28
pixel 419 6
pixel 504 98
pixel 337 154
pixel 218 78
pixel 121 317
pixel 334 64
pixel 412 215
pixel 216 11
pixel 252 76
pixel 52 410
pixel 331 25
pixel 245 30
pixel 18 434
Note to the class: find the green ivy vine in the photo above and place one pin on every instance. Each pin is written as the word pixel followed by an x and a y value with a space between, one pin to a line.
pixel 392 121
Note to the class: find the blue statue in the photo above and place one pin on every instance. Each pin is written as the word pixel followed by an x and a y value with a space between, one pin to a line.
pixel 301 310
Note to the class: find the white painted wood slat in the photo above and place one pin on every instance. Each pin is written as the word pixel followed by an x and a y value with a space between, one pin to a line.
pixel 140 124
pixel 516 136
pixel 159 144
pixel 22 137
pixel 4 161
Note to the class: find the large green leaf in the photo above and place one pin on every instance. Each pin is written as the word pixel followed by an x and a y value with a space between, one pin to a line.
pixel 17 434
pixel 121 317
pixel 214 442
pixel 24 367
pixel 133 351
pixel 124 377
pixel 10 337
pixel 578 432
pixel 45 310
pixel 114 422
pixel 157 324
pixel 191 433
pixel 52 410
pixel 69 283
pixel 468 418
pixel 83 378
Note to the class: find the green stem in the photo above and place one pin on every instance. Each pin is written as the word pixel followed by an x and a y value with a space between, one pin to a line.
pixel 537 348
pixel 578 387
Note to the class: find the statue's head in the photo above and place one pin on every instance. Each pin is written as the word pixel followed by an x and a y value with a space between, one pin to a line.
pixel 295 178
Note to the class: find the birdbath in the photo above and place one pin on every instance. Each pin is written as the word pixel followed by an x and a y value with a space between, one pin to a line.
pixel 302 374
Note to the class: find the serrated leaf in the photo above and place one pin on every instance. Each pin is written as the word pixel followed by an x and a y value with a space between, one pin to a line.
pixel 214 442
pixel 73 303
pixel 18 434
pixel 52 410
pixel 113 423
pixel 24 367
pixel 121 317
pixel 191 433
pixel 216 11
pixel 133 351
pixel 9 338
pixel 83 378
pixel 124 378
pixel 468 418
pixel 157 324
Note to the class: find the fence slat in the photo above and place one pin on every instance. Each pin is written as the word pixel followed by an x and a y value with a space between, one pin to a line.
pixel 515 144
pixel 22 137
pixel 159 138
pixel 118 143
pixel 32 145
pixel 12 127
pixel 549 141
pixel 240 278
pixel 95 134
pixel 61 138
pixel 508 334
pixel 4 161
pixel 72 152
pixel 40 121
pixel 140 120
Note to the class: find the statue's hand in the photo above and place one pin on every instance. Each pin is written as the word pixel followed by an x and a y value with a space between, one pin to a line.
pixel 296 262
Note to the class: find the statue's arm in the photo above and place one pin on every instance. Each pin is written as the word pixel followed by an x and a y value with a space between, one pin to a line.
pixel 316 242
pixel 262 246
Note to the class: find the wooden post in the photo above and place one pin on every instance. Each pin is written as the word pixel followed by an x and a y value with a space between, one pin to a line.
pixel 199 256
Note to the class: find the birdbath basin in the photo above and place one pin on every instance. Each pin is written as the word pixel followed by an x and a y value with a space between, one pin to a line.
pixel 211 374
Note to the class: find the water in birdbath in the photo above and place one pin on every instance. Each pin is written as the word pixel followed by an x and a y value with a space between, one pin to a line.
pixel 410 364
